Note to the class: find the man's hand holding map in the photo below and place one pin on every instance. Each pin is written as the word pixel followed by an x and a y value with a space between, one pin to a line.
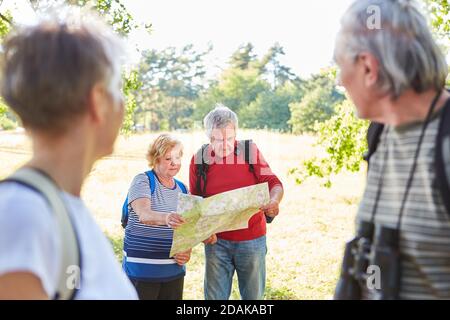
pixel 222 212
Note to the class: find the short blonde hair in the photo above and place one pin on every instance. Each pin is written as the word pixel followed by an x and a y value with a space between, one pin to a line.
pixel 159 148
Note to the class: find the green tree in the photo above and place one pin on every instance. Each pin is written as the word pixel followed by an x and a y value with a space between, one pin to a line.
pixel 236 89
pixel 114 11
pixel 172 81
pixel 5 27
pixel 130 87
pixel 317 105
pixel 440 19
pixel 3 110
pixel 344 135
pixel 270 110
pixel 243 58
pixel 5 24
pixel 258 90
pixel 277 73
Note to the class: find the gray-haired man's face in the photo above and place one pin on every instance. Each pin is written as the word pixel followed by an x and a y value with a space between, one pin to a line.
pixel 222 140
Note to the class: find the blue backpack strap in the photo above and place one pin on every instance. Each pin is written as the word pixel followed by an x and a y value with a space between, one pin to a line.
pixel 181 185
pixel 124 219
pixel 151 178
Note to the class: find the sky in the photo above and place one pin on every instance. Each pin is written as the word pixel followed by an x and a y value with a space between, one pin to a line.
pixel 306 29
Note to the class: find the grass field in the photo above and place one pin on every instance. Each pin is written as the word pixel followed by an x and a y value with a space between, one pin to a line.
pixel 305 241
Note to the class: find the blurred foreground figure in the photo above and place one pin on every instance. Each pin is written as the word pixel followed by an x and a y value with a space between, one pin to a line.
pixel 395 74
pixel 63 81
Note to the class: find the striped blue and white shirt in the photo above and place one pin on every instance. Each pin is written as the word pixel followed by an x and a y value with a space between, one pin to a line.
pixel 147 248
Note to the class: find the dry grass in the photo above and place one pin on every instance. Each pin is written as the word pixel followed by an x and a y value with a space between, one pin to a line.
pixel 305 242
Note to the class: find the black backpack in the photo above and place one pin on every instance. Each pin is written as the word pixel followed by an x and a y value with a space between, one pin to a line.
pixel 441 156
pixel 202 165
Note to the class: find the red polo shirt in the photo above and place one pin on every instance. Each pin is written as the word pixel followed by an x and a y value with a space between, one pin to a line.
pixel 230 173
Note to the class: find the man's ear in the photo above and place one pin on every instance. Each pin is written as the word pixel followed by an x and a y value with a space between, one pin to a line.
pixel 96 104
pixel 370 67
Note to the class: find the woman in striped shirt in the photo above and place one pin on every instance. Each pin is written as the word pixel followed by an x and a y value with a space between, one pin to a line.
pixel 152 218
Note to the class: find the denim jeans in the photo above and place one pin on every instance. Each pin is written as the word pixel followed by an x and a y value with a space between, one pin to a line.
pixel 247 258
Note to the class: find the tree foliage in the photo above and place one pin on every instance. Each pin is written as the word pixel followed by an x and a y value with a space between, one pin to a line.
pixel 243 58
pixel 130 86
pixel 270 109
pixel 277 73
pixel 343 136
pixel 440 19
pixel 317 105
pixel 115 13
pixel 5 27
pixel 172 80
pixel 258 90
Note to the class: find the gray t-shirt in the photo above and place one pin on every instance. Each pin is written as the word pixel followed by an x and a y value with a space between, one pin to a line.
pixel 425 230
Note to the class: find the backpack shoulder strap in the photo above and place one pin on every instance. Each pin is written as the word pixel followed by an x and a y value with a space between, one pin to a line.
pixel 70 251
pixel 181 185
pixel 201 164
pixel 442 156
pixel 151 179
pixel 245 146
pixel 373 139
pixel 249 154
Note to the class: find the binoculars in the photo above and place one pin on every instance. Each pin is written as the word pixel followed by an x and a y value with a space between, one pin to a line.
pixel 371 264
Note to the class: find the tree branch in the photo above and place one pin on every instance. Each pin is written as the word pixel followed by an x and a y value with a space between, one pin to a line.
pixel 3 17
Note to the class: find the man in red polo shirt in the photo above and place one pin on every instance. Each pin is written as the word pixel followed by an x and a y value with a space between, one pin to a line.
pixel 243 251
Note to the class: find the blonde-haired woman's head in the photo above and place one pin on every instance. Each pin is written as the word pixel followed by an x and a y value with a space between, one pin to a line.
pixel 164 155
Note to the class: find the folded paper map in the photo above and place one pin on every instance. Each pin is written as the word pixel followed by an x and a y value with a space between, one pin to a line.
pixel 225 211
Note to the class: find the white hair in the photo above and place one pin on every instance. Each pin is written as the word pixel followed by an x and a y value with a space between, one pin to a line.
pixel 112 44
pixel 49 67
pixel 219 118
pixel 409 57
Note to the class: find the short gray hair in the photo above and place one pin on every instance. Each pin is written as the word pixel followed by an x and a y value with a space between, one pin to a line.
pixel 219 118
pixel 404 46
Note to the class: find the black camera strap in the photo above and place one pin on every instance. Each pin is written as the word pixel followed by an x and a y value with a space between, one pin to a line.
pixel 416 156
pixel 380 179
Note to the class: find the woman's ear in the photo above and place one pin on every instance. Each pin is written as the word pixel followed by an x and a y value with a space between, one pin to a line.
pixel 97 104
